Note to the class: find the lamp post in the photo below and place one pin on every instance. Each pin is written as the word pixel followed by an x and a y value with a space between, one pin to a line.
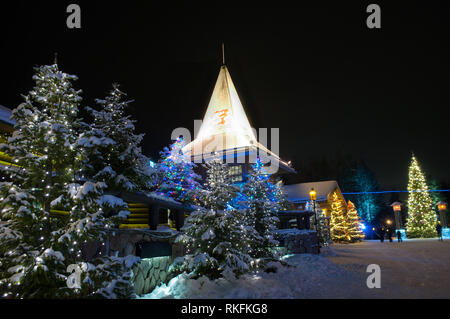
pixel 397 207
pixel 442 207
pixel 313 196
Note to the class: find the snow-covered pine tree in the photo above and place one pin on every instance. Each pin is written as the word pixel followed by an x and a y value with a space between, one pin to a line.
pixel 261 209
pixel 338 223
pixel 216 241
pixel 42 147
pixel 279 197
pixel 421 221
pixel 177 178
pixel 114 155
pixel 354 223
pixel 38 247
pixel 323 227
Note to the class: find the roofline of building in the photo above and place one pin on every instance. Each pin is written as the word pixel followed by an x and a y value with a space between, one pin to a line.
pixel 242 151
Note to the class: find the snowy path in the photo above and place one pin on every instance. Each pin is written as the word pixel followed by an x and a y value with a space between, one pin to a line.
pixel 413 269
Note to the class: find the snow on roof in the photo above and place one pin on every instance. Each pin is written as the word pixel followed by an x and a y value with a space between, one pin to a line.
pixel 5 115
pixel 300 192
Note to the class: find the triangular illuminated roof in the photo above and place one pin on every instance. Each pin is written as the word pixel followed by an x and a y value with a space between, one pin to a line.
pixel 225 125
pixel 225 120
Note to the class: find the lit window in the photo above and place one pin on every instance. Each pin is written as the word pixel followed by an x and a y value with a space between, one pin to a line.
pixel 236 174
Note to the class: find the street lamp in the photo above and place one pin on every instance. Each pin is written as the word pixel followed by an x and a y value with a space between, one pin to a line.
pixel 397 207
pixel 442 207
pixel 313 196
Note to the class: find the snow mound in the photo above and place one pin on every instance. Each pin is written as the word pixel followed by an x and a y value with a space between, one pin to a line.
pixel 309 276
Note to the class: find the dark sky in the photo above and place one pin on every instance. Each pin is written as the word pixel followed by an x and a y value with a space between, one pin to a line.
pixel 316 72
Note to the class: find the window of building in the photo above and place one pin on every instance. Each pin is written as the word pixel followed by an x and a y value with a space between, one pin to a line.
pixel 236 174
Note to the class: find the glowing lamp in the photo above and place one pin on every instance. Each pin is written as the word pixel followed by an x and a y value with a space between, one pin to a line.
pixel 442 206
pixel 388 222
pixel 313 194
pixel 397 207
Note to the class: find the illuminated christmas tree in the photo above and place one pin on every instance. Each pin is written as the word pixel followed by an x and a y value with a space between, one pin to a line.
pixel 323 227
pixel 49 209
pixel 177 178
pixel 113 149
pixel 338 222
pixel 354 223
pixel 421 221
pixel 216 240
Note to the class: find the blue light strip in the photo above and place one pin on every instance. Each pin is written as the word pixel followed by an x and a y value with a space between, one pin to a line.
pixel 387 192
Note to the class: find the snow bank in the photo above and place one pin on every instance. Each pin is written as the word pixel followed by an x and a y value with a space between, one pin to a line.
pixel 311 277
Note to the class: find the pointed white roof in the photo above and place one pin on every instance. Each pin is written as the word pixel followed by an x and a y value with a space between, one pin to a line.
pixel 225 125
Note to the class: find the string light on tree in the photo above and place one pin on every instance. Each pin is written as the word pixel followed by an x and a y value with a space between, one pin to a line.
pixel 421 220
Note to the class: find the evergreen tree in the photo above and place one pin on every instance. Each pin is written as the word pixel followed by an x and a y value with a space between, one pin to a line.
pixel 260 213
pixel 360 179
pixel 421 221
pixel 279 197
pixel 436 196
pixel 338 223
pixel 323 227
pixel 177 178
pixel 38 248
pixel 215 238
pixel 114 155
pixel 354 223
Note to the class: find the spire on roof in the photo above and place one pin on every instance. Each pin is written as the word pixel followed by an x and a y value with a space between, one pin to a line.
pixel 223 53
pixel 225 125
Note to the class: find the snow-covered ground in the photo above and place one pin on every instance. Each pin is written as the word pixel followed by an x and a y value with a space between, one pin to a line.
pixel 412 269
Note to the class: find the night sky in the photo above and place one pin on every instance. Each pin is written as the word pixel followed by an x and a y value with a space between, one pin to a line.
pixel 317 73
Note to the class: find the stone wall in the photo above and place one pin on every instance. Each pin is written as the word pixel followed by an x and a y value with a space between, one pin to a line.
pixel 296 241
pixel 149 273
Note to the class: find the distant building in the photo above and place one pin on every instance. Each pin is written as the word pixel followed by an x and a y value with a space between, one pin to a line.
pixel 6 129
pixel 298 195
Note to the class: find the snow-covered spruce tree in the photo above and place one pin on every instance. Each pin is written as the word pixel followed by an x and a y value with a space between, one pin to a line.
pixel 177 178
pixel 114 155
pixel 323 227
pixel 354 223
pixel 102 276
pixel 37 247
pixel 421 221
pixel 261 208
pixel 216 241
pixel 42 148
pixel 338 222
pixel 279 197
